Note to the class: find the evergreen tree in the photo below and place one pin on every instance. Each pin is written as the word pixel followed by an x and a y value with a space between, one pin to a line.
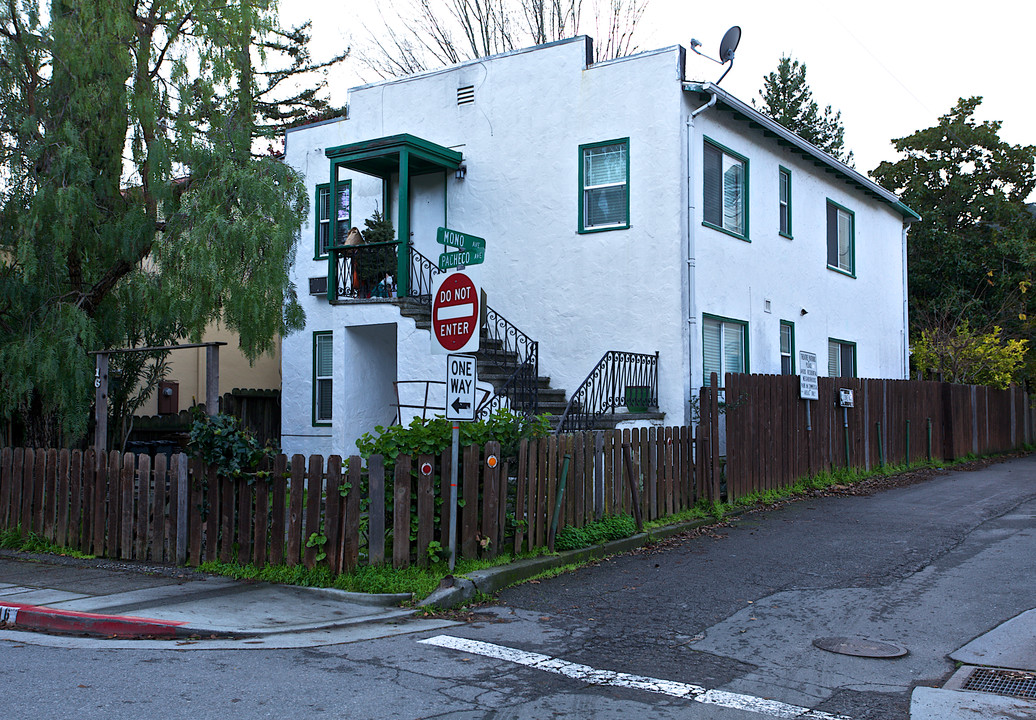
pixel 132 208
pixel 787 98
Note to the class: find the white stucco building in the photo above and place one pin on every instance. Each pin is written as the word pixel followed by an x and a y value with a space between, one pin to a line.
pixel 624 207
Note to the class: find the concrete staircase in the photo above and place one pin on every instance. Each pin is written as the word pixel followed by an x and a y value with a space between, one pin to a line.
pixel 495 366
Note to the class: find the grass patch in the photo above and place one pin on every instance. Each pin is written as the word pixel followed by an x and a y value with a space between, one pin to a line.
pixel 376 579
pixel 597 532
pixel 31 542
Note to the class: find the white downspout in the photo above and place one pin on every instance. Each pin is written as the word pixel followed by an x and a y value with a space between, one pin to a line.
pixel 906 309
pixel 691 288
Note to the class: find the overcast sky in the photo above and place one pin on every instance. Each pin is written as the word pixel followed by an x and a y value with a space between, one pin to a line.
pixel 890 67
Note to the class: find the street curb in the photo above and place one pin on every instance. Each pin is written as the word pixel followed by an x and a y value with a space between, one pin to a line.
pixel 456 591
pixel 71 622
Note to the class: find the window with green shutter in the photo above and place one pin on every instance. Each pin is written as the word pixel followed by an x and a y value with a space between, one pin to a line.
pixel 841 358
pixel 323 370
pixel 724 346
pixel 604 186
pixel 841 238
pixel 784 202
pixel 725 180
pixel 787 348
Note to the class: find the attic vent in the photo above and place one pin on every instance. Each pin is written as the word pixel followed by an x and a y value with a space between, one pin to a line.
pixel 318 285
pixel 466 95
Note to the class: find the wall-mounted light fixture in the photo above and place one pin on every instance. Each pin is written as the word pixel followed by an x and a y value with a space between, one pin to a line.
pixel 462 172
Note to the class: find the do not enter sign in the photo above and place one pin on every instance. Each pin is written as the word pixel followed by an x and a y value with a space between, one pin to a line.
pixel 456 314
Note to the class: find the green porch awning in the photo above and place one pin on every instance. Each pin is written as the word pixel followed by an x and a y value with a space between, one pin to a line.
pixel 382 157
pixel 405 155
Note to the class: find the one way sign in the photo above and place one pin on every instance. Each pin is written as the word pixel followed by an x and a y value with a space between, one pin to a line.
pixel 460 387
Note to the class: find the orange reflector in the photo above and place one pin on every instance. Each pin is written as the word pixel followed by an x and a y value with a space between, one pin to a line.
pixel 491 461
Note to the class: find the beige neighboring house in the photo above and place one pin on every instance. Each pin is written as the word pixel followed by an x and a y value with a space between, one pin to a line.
pixel 186 378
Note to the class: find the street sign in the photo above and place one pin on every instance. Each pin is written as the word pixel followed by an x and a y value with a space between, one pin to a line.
pixel 456 314
pixel 472 250
pixel 452 238
pixel 461 376
pixel 464 257
pixel 808 386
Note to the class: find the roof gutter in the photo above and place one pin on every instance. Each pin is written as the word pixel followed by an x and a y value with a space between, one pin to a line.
pixel 818 155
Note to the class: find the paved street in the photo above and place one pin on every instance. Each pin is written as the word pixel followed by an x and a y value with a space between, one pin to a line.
pixel 717 625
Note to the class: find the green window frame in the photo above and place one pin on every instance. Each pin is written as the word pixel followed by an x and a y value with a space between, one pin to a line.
pixel 604 178
pixel 724 343
pixel 725 187
pixel 343 209
pixel 323 383
pixel 787 347
pixel 841 358
pixel 784 201
pixel 841 238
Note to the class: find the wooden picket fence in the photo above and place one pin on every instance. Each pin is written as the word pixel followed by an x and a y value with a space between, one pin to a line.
pixel 178 511
pixel 344 513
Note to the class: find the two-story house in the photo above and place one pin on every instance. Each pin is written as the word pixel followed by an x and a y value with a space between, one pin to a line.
pixel 624 207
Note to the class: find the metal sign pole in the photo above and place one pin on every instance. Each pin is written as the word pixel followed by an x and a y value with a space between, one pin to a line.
pixel 455 455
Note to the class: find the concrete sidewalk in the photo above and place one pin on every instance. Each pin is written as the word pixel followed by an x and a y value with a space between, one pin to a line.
pixel 1004 659
pixel 123 600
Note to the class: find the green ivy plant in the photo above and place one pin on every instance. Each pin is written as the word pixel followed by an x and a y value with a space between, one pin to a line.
pixel 221 442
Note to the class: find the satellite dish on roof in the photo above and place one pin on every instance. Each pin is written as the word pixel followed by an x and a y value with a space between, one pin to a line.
pixel 727 46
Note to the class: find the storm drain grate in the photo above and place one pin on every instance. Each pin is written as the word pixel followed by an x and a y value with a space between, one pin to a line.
pixel 1013 683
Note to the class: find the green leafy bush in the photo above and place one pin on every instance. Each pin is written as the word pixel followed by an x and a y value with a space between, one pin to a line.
pixel 220 441
pixel 612 527
pixel 432 437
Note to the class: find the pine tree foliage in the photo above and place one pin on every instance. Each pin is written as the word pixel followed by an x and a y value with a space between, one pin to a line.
pixel 132 208
pixel 972 256
pixel 787 98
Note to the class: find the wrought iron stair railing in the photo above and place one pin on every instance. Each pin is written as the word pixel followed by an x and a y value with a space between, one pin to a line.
pixel 620 379
pixel 502 343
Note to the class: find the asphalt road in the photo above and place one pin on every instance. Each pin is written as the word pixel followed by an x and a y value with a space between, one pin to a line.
pixel 735 609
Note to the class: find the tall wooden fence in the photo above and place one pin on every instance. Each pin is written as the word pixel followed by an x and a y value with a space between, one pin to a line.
pixel 771 441
pixel 175 510
pixel 299 510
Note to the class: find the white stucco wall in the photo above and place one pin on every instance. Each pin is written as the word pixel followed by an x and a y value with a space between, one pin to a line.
pixel 581 295
pixel 735 278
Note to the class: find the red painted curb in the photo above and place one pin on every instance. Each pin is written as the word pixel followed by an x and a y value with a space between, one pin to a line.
pixel 36 617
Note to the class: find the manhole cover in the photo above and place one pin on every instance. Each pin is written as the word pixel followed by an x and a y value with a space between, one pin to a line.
pixel 860 647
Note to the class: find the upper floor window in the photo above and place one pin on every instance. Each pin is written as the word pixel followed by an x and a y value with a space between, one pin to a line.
pixel 604 186
pixel 841 238
pixel 784 201
pixel 726 190
pixel 342 211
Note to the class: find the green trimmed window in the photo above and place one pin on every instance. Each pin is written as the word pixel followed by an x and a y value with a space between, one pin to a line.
pixel 784 201
pixel 787 348
pixel 323 357
pixel 841 358
pixel 841 238
pixel 604 176
pixel 725 179
pixel 343 210
pixel 724 346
